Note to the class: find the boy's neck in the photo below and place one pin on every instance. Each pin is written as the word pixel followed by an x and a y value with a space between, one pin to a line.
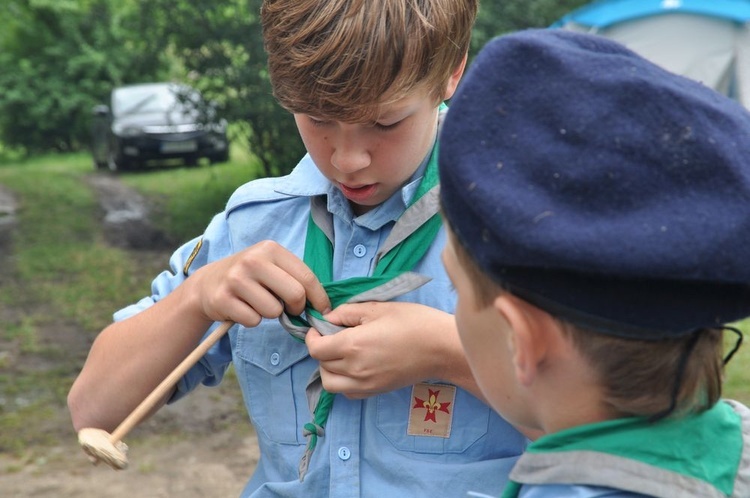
pixel 575 414
pixel 570 396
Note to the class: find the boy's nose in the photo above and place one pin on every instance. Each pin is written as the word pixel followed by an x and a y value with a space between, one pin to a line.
pixel 349 158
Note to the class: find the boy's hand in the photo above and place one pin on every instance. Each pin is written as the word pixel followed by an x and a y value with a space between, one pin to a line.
pixel 389 346
pixel 260 281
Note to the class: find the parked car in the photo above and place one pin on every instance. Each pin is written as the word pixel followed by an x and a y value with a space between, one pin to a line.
pixel 149 123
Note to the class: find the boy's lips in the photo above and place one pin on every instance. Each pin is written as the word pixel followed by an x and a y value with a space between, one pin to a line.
pixel 358 193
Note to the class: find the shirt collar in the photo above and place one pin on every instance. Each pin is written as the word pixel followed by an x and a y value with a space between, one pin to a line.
pixel 305 180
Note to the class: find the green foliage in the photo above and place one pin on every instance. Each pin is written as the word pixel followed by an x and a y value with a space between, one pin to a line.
pixel 496 18
pixel 58 59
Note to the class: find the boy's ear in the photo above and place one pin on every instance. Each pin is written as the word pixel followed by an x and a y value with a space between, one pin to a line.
pixel 455 77
pixel 527 336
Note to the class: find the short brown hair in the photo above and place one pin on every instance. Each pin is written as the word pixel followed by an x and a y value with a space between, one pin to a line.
pixel 336 59
pixel 638 377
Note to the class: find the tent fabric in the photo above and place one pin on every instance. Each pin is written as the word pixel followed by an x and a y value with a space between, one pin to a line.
pixel 706 40
pixel 604 13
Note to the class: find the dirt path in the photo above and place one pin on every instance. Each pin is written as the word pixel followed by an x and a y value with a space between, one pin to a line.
pixel 202 446
pixel 189 462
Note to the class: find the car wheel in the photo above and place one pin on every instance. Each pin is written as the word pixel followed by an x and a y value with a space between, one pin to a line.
pixel 221 157
pixel 115 163
pixel 112 163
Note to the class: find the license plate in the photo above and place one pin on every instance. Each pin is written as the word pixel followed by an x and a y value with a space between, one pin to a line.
pixel 183 146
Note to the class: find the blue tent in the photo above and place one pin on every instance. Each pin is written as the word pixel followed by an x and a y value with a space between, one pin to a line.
pixel 707 40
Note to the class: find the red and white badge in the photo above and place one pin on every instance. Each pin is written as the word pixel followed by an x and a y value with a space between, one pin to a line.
pixel 431 412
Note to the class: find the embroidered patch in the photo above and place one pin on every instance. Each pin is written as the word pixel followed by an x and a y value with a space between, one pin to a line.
pixel 431 412
pixel 192 256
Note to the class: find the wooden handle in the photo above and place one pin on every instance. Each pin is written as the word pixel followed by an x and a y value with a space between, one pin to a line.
pixel 168 383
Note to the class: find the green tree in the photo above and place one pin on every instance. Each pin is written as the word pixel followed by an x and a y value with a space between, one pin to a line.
pixel 496 18
pixel 57 59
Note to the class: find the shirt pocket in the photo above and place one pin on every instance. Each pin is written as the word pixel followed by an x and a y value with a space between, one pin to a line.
pixel 470 424
pixel 273 369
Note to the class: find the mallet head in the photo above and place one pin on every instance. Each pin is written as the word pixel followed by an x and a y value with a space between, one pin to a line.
pixel 98 445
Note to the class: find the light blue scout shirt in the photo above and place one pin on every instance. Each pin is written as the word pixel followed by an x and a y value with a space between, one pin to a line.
pixel 426 440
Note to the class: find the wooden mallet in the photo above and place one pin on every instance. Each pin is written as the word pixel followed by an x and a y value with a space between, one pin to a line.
pixel 109 448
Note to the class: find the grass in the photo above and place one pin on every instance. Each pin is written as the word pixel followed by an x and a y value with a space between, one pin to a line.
pixel 62 270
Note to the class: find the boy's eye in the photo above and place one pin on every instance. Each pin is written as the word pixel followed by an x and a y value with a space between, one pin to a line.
pixel 378 126
pixel 317 122
pixel 383 127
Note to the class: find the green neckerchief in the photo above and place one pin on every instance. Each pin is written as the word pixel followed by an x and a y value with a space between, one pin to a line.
pixel 706 446
pixel 410 239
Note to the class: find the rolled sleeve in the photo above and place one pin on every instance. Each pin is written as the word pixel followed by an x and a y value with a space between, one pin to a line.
pixel 214 244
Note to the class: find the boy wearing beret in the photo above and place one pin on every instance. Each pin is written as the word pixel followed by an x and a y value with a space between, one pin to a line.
pixel 599 238
pixel 387 406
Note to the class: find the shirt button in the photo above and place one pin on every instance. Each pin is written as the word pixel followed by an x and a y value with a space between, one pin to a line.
pixel 360 250
pixel 344 453
pixel 275 358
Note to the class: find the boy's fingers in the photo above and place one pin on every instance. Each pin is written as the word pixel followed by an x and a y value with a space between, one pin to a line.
pixel 292 281
pixel 243 314
pixel 262 301
pixel 350 315
pixel 314 291
pixel 311 340
pixel 315 344
pixel 277 283
pixel 322 348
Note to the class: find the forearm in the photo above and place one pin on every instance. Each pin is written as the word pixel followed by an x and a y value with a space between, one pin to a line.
pixel 130 358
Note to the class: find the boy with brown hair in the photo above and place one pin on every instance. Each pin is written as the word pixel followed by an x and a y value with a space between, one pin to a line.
pixel 365 81
pixel 599 225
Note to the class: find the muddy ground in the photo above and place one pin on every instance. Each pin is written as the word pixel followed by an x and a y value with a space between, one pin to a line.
pixel 200 447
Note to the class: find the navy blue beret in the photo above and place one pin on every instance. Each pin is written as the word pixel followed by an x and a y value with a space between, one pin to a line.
pixel 600 187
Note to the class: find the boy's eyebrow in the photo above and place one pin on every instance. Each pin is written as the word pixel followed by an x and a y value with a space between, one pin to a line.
pixel 399 111
pixel 388 116
pixel 388 113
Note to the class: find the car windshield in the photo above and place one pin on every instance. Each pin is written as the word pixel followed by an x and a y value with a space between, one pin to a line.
pixel 144 99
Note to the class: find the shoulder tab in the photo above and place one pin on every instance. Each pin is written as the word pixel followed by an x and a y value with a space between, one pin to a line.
pixel 191 258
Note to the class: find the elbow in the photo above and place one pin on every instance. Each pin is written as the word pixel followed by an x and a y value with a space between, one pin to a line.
pixel 82 412
pixel 76 408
